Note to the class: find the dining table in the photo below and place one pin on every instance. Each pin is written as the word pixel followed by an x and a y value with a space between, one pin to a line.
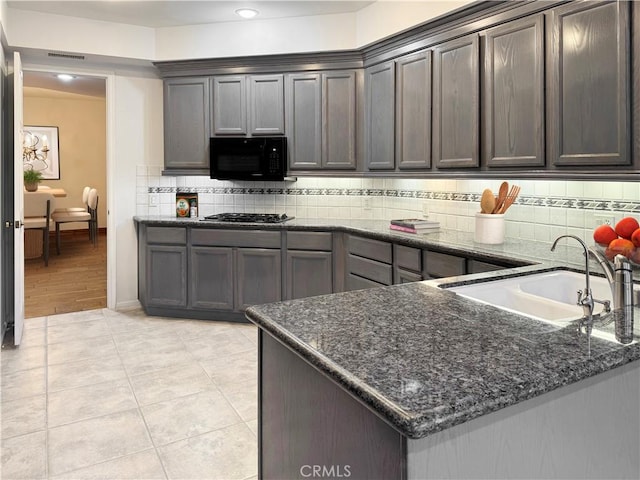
pixel 56 192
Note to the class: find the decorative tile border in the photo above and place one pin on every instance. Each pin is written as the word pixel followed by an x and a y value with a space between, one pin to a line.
pixel 548 202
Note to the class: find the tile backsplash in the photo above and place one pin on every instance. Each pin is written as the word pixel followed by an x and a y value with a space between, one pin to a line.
pixel 544 209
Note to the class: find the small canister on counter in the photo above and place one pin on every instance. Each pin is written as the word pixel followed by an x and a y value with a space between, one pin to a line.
pixel 489 228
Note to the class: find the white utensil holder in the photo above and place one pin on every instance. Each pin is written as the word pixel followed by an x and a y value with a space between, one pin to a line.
pixel 489 228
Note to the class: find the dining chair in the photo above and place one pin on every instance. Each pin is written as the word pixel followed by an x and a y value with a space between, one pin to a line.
pixel 90 216
pixel 37 215
pixel 85 199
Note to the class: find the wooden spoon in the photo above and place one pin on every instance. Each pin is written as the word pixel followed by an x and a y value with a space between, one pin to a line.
pixel 502 195
pixel 511 197
pixel 487 201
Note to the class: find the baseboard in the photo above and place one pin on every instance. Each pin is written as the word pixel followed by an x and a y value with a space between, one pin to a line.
pixel 128 305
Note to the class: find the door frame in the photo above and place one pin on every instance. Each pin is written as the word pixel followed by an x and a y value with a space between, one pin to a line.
pixel 110 162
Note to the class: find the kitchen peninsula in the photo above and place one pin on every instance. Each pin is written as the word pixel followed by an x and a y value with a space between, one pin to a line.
pixel 412 381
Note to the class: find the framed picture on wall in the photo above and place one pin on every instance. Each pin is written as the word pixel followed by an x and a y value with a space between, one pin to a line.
pixel 40 151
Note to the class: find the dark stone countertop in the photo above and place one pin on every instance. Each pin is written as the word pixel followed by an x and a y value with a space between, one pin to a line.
pixel 426 359
pixel 448 241
pixel 420 356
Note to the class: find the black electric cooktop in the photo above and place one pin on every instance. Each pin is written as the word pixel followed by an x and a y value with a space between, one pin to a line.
pixel 249 217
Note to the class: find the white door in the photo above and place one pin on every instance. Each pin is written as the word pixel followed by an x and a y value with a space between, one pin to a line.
pixel 18 185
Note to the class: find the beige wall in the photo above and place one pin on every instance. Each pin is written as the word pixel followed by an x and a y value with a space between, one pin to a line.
pixel 81 122
pixel 223 39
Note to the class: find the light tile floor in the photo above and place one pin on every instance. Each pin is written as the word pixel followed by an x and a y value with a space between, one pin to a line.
pixel 120 395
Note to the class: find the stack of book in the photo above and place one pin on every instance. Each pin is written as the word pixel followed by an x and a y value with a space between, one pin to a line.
pixel 414 225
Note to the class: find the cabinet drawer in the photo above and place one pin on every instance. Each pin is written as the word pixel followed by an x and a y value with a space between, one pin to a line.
pixel 408 258
pixel 371 269
pixel 309 241
pixel 235 238
pixel 358 283
pixel 439 265
pixel 368 248
pixel 173 235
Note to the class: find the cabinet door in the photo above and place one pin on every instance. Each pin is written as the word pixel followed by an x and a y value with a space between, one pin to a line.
pixel 380 116
pixel 589 84
pixel 513 89
pixel 229 105
pixel 258 277
pixel 186 123
pixel 339 106
pixel 439 265
pixel 308 273
pixel 413 111
pixel 456 103
pixel 211 278
pixel 401 275
pixel 266 104
pixel 304 120
pixel 166 276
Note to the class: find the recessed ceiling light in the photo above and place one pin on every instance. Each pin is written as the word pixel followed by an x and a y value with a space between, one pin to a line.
pixel 247 12
pixel 65 77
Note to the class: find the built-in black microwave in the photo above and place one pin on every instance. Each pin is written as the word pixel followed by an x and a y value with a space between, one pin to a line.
pixel 248 158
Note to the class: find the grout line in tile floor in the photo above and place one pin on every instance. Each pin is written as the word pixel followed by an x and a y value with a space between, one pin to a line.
pixel 118 441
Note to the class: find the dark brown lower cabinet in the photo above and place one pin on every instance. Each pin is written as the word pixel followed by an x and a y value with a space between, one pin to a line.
pixel 258 276
pixel 308 424
pixel 166 276
pixel 309 273
pixel 211 279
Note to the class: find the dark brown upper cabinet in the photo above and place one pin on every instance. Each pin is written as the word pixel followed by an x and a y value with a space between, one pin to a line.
pixel 321 119
pixel 513 103
pixel 379 84
pixel 186 124
pixel 413 111
pixel 252 104
pixel 588 84
pixel 456 103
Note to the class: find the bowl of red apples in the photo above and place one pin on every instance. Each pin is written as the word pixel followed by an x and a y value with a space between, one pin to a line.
pixel 623 239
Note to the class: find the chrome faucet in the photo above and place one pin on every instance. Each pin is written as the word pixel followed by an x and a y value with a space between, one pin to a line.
pixel 621 282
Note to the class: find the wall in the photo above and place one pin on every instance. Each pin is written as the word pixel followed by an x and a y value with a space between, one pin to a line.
pixel 384 18
pixel 36 30
pixel 257 37
pixel 545 208
pixel 3 13
pixel 81 122
pixel 228 39
pixel 137 138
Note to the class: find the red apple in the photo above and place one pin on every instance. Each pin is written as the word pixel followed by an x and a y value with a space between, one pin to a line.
pixel 635 256
pixel 635 237
pixel 604 234
pixel 626 227
pixel 620 246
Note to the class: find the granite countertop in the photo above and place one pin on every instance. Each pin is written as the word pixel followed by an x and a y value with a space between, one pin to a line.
pixel 426 359
pixel 447 241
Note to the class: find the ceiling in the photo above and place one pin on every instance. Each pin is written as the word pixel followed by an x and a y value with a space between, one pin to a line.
pixel 80 85
pixel 169 13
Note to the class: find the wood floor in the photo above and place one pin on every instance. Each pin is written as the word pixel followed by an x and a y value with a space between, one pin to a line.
pixel 75 280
